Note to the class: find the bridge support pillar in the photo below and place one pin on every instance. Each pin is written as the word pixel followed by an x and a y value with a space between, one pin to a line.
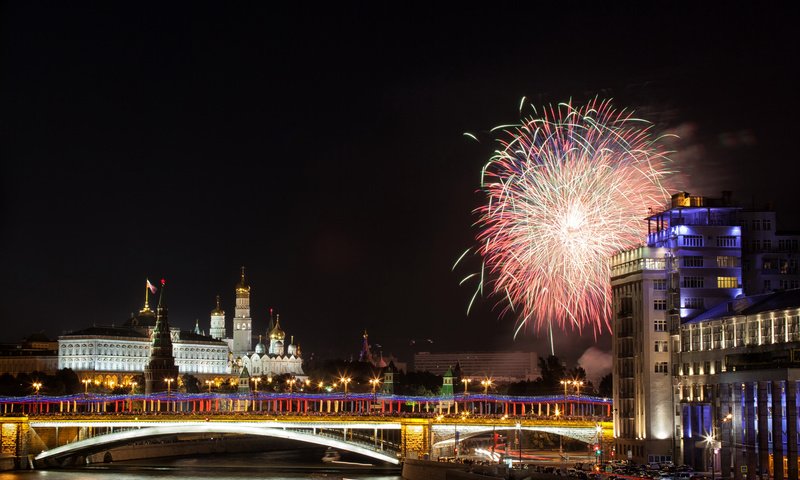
pixel 416 438
pixel 14 440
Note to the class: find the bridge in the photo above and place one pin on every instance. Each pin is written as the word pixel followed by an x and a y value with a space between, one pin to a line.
pixel 387 428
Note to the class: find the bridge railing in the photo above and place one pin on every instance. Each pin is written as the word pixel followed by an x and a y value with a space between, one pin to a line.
pixel 312 403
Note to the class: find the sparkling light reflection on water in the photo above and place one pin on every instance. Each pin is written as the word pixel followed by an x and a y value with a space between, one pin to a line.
pixel 267 465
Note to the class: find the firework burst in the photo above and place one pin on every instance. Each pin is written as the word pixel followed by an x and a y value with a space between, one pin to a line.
pixel 565 190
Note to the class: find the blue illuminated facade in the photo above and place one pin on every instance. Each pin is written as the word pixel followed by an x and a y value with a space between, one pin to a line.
pixel 707 341
pixel 691 262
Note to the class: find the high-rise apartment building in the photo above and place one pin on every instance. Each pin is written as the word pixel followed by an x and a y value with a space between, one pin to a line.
pixel 691 262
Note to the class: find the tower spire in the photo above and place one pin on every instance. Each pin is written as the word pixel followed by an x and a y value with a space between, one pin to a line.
pixel 161 302
pixel 161 364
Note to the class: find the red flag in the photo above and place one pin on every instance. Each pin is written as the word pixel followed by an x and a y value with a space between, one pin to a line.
pixel 151 287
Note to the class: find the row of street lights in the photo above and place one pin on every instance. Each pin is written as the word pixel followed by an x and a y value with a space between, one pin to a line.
pixel 486 383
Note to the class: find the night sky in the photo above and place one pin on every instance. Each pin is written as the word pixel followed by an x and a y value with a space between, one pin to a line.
pixel 323 149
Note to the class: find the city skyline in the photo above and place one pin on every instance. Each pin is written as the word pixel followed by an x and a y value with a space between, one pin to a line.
pixel 325 152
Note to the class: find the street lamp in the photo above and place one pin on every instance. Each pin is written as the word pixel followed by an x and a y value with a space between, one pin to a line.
pixel 37 386
pixel 169 384
pixel 578 384
pixel 565 383
pixel 465 381
pixel 209 383
pixel 86 383
pixel 486 384
pixel 345 381
pixel 712 442
pixel 374 382
pixel 290 382
pixel 256 380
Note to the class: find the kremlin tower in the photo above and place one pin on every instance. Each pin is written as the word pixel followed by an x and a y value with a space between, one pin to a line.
pixel 161 364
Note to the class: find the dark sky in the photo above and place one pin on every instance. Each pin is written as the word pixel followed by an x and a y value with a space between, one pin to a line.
pixel 324 150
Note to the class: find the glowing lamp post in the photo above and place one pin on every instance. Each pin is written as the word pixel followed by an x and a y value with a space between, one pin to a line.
pixel 209 383
pixel 37 386
pixel 345 381
pixel 86 383
pixel 256 380
pixel 374 382
pixel 486 383
pixel 466 381
pixel 169 384
pixel 290 382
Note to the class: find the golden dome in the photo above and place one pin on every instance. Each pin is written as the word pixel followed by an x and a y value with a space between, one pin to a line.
pixel 218 310
pixel 242 286
pixel 276 333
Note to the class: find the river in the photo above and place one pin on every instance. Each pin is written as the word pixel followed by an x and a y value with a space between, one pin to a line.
pixel 299 463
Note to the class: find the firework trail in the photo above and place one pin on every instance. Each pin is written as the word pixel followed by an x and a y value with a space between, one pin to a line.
pixel 565 190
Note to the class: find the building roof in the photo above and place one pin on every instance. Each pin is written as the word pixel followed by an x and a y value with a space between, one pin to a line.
pixel 107 331
pixel 752 305
pixel 195 337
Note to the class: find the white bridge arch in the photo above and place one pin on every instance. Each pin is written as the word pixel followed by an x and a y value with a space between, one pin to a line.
pixel 142 430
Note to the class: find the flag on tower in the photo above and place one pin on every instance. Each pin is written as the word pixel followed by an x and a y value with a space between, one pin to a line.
pixel 151 287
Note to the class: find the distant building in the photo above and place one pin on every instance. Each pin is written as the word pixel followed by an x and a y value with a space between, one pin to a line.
pixel 500 366
pixel 36 353
pixel 378 360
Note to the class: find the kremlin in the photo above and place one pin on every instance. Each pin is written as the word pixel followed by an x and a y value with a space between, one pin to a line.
pixel 146 343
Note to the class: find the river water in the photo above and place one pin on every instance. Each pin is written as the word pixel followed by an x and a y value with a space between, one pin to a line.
pixel 300 463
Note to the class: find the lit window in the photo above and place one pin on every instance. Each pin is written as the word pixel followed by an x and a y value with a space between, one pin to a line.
pixel 724 261
pixel 727 282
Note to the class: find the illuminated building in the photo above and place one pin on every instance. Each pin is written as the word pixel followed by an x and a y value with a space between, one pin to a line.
pixel 277 359
pixel 116 354
pixel 242 323
pixel 691 262
pixel 500 366
pixel 217 329
pixel 737 378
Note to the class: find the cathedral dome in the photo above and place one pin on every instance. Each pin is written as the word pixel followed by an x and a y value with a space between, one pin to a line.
pixel 242 286
pixel 261 349
pixel 276 333
pixel 218 310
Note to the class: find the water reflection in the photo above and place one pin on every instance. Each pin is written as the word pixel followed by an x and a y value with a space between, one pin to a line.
pixel 275 465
